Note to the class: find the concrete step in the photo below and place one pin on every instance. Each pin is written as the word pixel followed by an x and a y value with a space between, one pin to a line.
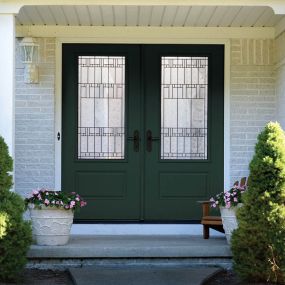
pixel 101 250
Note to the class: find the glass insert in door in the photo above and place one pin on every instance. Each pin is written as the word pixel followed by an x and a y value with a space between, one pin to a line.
pixel 184 105
pixel 101 107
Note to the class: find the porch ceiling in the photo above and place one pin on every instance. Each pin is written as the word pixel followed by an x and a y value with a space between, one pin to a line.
pixel 168 16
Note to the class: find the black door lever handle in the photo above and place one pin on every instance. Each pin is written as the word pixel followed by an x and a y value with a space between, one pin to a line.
pixel 149 140
pixel 136 140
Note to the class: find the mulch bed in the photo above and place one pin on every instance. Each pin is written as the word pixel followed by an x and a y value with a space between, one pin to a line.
pixel 43 277
pixel 50 277
pixel 230 278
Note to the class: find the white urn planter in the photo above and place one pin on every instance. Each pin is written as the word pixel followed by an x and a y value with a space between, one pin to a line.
pixel 51 226
pixel 229 220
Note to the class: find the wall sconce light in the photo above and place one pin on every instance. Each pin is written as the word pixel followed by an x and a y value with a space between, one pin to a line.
pixel 30 56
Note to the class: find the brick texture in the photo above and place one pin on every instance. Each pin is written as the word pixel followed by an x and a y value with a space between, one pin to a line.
pixel 34 123
pixel 252 99
pixel 280 78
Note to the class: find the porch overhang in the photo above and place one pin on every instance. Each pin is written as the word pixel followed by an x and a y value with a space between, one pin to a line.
pixel 277 5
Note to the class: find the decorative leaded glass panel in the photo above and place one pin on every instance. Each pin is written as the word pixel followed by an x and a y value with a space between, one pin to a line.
pixel 101 107
pixel 184 96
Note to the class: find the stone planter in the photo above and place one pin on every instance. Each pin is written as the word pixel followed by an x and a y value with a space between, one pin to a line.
pixel 51 226
pixel 229 220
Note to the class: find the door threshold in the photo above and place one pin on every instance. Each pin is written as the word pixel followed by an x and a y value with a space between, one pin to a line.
pixel 140 229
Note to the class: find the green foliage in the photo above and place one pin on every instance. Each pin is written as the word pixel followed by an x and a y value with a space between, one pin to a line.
pixel 6 165
pixel 4 222
pixel 15 233
pixel 258 245
pixel 43 198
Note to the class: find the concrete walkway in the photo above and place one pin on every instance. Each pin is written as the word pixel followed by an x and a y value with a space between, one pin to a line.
pixel 141 276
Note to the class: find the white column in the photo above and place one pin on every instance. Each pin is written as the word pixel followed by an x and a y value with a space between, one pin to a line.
pixel 7 78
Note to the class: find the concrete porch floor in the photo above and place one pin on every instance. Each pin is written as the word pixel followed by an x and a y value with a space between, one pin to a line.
pixel 131 249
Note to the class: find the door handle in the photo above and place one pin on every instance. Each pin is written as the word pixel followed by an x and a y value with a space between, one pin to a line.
pixel 149 140
pixel 136 140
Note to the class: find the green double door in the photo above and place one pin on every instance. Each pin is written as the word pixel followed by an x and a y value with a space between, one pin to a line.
pixel 142 129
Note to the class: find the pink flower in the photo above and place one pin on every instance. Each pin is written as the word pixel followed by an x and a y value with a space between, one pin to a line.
pixel 235 199
pixel 35 192
pixel 72 204
pixel 77 199
pixel 39 197
pixel 46 201
pixel 214 205
pixel 228 205
pixel 83 203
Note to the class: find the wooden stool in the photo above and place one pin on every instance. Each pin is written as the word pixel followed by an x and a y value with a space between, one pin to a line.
pixel 208 221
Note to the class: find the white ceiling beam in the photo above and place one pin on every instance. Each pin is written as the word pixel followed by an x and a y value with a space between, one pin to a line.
pixel 10 8
pixel 142 34
pixel 280 27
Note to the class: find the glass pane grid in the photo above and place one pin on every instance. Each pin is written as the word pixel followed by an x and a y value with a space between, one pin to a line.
pixel 101 107
pixel 184 103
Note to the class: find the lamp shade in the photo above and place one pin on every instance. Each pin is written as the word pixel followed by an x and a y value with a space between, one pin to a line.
pixel 29 50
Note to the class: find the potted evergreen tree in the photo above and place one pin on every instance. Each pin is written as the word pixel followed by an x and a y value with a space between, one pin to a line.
pixel 258 245
pixel 52 215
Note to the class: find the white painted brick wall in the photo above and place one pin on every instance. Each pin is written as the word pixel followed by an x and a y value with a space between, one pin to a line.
pixel 253 104
pixel 253 99
pixel 280 78
pixel 34 123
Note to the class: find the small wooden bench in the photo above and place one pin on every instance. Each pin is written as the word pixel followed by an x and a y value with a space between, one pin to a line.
pixel 214 222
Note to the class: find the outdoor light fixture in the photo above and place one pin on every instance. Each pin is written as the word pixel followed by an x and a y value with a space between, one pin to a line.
pixel 30 55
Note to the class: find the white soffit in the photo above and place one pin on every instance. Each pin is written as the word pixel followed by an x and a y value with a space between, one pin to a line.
pixel 157 16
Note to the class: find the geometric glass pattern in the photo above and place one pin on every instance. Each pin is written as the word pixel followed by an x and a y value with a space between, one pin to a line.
pixel 101 107
pixel 184 104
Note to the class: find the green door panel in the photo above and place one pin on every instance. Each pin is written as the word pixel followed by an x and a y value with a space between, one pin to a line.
pixel 173 187
pixel 111 187
pixel 143 186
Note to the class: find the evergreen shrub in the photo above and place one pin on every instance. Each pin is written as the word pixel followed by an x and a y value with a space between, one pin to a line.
pixel 15 233
pixel 258 245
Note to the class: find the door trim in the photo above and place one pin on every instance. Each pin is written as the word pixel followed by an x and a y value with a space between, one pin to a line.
pixel 58 95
